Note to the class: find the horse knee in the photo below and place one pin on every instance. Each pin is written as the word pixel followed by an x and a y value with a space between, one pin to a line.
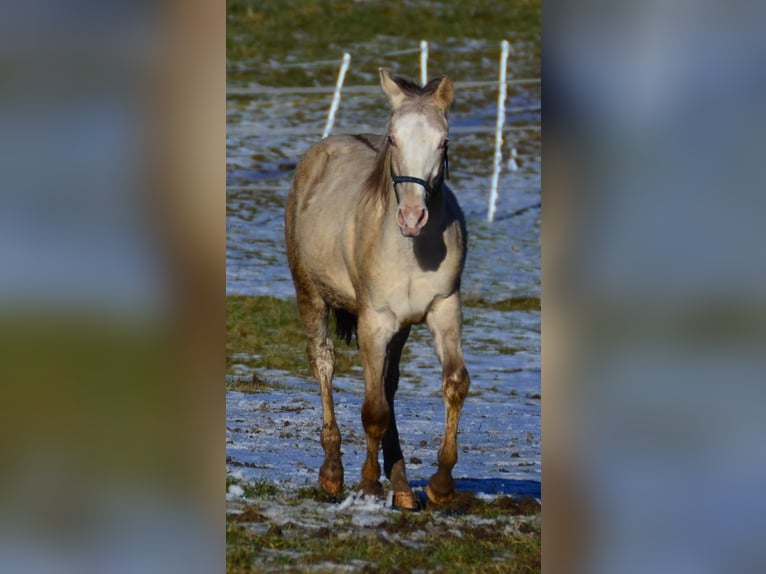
pixel 322 359
pixel 375 417
pixel 456 384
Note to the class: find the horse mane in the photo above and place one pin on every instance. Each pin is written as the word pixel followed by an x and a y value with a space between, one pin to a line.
pixel 378 183
pixel 413 89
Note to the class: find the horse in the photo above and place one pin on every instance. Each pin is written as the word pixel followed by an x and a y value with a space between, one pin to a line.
pixel 374 234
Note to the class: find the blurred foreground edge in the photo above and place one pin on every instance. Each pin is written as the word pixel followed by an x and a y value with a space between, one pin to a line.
pixel 112 287
pixel 654 288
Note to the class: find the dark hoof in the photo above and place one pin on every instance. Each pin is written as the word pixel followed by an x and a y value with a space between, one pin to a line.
pixel 441 488
pixel 331 477
pixel 405 501
pixel 439 498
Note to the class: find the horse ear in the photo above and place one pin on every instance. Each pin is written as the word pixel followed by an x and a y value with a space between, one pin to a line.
pixel 392 90
pixel 444 93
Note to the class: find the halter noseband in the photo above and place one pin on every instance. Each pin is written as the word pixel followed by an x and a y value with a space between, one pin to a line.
pixel 410 179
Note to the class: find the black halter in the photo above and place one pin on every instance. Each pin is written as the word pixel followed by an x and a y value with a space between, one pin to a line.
pixel 408 178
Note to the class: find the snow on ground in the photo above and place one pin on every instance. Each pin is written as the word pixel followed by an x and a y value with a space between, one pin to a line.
pixel 274 436
pixel 359 518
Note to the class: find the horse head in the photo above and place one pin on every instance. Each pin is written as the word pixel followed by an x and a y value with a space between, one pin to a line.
pixel 417 138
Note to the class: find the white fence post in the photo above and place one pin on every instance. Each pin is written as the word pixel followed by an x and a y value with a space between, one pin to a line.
pixel 423 62
pixel 336 96
pixel 512 163
pixel 499 130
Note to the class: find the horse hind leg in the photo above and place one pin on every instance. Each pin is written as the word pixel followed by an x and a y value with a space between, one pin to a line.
pixel 314 313
pixel 393 460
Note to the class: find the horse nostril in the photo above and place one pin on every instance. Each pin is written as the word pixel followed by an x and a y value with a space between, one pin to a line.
pixel 411 217
pixel 423 219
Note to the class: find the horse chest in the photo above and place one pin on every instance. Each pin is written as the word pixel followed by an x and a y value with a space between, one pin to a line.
pixel 409 298
pixel 398 285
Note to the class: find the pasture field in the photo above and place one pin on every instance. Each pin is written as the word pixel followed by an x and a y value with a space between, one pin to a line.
pixel 277 520
pixel 299 531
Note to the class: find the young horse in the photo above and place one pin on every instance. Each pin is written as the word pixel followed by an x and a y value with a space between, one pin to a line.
pixel 375 234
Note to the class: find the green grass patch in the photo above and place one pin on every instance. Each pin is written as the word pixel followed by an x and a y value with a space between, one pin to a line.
pixel 255 489
pixel 506 350
pixel 255 384
pixel 259 489
pixel 475 549
pixel 510 304
pixel 317 494
pixel 266 333
pixel 468 535
pixel 259 31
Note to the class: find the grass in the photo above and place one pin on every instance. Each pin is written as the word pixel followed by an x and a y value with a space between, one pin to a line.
pixel 256 384
pixel 253 489
pixel 475 549
pixel 266 333
pixel 259 31
pixel 511 304
pixel 469 535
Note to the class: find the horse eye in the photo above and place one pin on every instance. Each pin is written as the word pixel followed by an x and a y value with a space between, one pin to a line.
pixel 444 143
pixel 391 141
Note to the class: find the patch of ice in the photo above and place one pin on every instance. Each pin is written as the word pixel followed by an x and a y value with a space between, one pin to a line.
pixel 348 502
pixel 237 474
pixel 235 491
pixel 361 501
pixel 367 520
pixel 484 497
pixel 366 511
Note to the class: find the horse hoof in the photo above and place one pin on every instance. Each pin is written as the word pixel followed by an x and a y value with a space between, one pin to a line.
pixel 405 501
pixel 332 487
pixel 331 477
pixel 439 498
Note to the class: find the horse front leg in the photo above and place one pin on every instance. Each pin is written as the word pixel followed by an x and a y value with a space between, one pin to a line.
pixel 445 323
pixel 393 460
pixel 375 332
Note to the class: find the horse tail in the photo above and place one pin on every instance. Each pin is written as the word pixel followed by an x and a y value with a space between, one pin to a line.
pixel 345 325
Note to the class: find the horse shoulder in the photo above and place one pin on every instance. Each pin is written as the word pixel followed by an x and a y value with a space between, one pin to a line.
pixel 324 206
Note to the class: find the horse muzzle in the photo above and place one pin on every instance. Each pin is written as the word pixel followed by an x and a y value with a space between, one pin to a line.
pixel 411 219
